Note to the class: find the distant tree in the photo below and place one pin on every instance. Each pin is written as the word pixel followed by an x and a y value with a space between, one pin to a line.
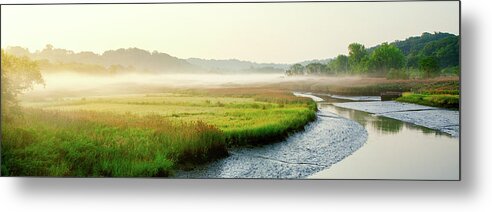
pixel 386 57
pixel 18 74
pixel 413 60
pixel 416 43
pixel 315 68
pixel 339 64
pixel 296 69
pixel 445 51
pixel 49 47
pixel 429 65
pixel 444 46
pixel 357 58
pixel 115 68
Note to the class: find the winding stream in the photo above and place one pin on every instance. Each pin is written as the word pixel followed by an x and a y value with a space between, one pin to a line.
pixel 330 147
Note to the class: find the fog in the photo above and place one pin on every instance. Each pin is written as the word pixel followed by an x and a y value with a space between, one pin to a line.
pixel 70 84
pixel 66 84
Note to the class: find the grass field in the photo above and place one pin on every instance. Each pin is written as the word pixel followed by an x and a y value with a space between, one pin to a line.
pixel 435 100
pixel 444 94
pixel 145 135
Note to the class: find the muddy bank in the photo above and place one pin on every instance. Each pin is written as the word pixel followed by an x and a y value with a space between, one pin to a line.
pixel 323 143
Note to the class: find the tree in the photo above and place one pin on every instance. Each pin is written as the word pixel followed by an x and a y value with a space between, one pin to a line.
pixel 18 74
pixel 444 46
pixel 429 65
pixel 296 69
pixel 315 68
pixel 357 57
pixel 445 51
pixel 386 57
pixel 339 64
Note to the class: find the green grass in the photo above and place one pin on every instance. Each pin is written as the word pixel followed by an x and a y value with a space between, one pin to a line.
pixel 83 143
pixel 244 120
pixel 144 135
pixel 435 100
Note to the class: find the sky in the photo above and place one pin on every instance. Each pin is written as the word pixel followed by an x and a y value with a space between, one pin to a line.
pixel 260 32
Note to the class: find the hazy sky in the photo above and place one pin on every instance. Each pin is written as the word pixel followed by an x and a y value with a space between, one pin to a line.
pixel 280 32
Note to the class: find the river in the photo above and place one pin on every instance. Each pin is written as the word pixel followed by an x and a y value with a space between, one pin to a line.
pixel 344 143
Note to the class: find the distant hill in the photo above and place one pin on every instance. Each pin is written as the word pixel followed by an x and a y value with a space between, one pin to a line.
pixel 235 65
pixel 444 46
pixel 138 60
pixel 132 57
pixel 155 61
pixel 417 43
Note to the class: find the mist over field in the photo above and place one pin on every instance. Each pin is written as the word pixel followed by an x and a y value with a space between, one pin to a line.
pixel 73 84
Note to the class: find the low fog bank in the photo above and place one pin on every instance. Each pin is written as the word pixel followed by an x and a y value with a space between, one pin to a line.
pixel 69 84
pixel 66 84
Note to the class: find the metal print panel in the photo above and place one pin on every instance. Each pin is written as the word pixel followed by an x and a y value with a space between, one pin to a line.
pixel 298 90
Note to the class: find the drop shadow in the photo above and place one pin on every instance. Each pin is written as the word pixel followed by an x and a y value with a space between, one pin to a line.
pixel 302 188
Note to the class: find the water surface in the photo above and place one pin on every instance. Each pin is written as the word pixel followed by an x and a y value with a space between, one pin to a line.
pixel 396 150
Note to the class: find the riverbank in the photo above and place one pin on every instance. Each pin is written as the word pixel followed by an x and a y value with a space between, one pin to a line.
pixel 324 142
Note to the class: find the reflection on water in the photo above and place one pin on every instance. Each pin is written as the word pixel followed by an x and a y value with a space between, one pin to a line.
pixel 376 123
pixel 388 125
pixel 395 150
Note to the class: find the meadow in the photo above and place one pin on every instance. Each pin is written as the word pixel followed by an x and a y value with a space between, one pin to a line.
pixel 146 134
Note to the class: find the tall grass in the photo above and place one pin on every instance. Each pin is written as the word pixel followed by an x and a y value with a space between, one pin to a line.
pixel 271 132
pixel 83 143
pixel 295 113
pixel 145 135
pixel 259 94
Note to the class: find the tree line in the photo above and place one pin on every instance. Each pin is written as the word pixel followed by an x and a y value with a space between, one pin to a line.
pixel 422 56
